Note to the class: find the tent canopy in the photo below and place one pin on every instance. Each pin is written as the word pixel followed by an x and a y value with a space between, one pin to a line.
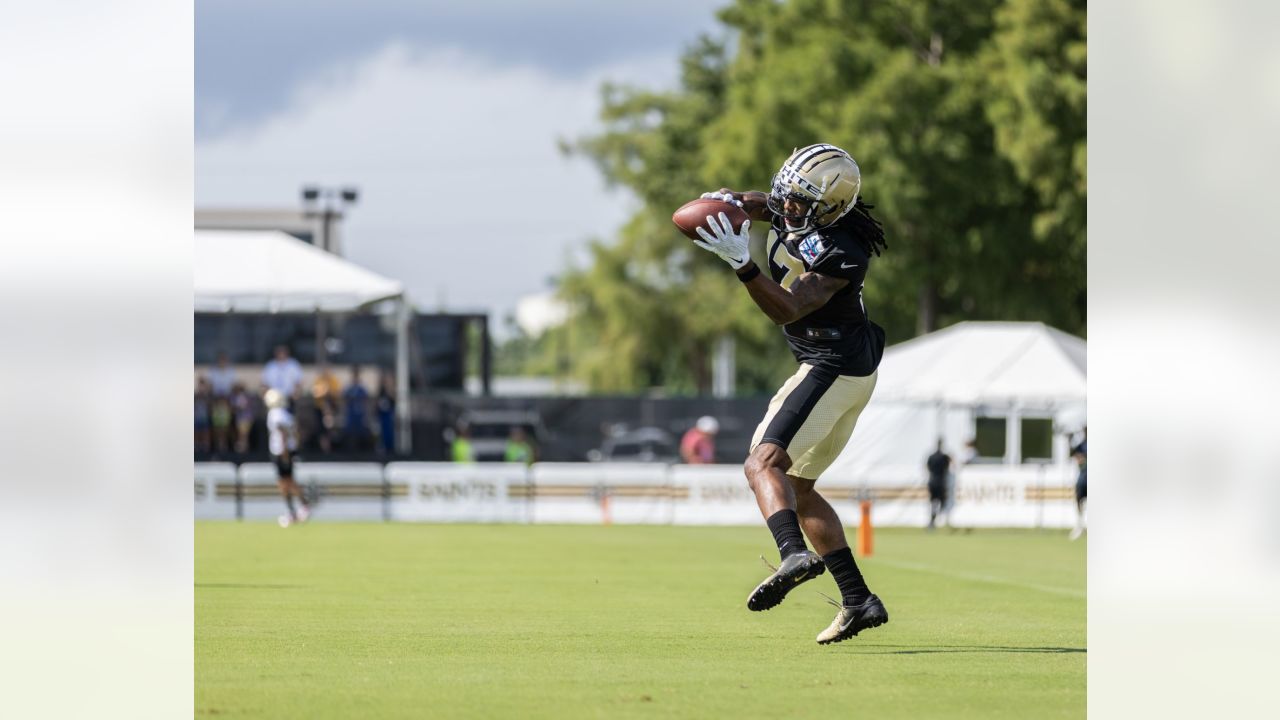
pixel 974 363
pixel 271 271
pixel 934 386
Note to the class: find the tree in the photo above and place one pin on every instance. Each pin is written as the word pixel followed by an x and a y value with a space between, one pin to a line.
pixel 650 307
pixel 967 118
pixel 1037 62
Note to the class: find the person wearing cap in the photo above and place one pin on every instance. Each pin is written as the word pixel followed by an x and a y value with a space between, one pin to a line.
pixel 698 446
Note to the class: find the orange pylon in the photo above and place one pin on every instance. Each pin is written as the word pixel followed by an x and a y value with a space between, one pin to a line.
pixel 864 530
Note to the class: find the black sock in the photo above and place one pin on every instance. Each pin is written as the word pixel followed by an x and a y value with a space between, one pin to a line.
pixel 853 589
pixel 288 501
pixel 785 526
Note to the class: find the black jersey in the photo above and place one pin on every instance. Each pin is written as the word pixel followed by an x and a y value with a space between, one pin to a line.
pixel 837 335
pixel 938 464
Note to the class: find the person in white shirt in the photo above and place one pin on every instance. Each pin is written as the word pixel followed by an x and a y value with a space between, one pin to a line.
pixel 282 373
pixel 222 377
pixel 282 441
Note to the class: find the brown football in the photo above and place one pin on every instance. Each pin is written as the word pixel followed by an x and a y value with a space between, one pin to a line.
pixel 693 215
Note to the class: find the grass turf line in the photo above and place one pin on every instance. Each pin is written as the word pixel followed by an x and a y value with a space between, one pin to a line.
pixel 412 621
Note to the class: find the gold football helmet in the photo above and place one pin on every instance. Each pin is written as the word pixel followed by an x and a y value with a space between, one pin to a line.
pixel 822 180
pixel 274 399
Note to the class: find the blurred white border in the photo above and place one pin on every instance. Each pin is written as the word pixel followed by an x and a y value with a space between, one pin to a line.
pixel 95 184
pixel 95 374
pixel 1184 557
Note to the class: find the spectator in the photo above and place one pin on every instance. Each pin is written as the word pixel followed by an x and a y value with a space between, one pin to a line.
pixel 698 446
pixel 519 449
pixel 1081 454
pixel 356 401
pixel 220 418
pixel 203 398
pixel 461 449
pixel 242 411
pixel 939 467
pixel 324 395
pixel 282 373
pixel 386 404
pixel 222 377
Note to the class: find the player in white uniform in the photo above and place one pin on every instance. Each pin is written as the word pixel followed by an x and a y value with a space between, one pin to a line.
pixel 282 441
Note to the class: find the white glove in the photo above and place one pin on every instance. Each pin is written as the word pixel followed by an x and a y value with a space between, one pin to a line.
pixel 723 241
pixel 724 197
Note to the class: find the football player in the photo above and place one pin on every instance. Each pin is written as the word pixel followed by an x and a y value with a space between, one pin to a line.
pixel 821 243
pixel 282 441
pixel 1081 454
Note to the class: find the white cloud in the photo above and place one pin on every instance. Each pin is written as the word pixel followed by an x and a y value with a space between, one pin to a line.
pixel 535 314
pixel 464 195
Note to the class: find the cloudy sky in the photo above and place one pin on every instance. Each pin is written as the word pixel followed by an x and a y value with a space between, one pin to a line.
pixel 446 115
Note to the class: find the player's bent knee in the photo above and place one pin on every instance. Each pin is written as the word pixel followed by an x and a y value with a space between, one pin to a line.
pixel 802 486
pixel 751 468
pixel 766 456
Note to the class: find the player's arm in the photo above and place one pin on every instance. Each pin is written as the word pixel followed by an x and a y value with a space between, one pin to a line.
pixel 809 292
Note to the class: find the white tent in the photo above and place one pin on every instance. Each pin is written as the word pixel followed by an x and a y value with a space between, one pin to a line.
pixel 938 385
pixel 271 271
pixel 986 363
pixel 274 272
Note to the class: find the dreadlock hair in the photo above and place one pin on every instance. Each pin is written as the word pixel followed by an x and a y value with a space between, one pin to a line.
pixel 858 221
pixel 866 229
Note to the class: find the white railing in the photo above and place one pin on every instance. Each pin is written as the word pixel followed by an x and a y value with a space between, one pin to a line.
pixel 987 496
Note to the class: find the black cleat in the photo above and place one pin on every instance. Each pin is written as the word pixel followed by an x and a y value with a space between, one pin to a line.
pixel 853 619
pixel 793 570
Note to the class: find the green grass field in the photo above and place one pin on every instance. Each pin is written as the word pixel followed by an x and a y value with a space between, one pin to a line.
pixel 411 621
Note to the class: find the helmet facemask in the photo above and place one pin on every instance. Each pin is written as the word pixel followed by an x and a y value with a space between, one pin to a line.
pixel 789 185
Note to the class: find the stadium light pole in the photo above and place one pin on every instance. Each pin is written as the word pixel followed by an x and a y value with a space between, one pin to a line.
pixel 326 204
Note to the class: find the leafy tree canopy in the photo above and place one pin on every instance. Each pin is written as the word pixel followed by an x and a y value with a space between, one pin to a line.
pixel 967 118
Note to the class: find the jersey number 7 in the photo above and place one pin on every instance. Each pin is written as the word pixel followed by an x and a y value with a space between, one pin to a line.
pixel 783 259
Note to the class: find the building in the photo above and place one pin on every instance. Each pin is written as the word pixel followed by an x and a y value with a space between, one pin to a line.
pixel 307 226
